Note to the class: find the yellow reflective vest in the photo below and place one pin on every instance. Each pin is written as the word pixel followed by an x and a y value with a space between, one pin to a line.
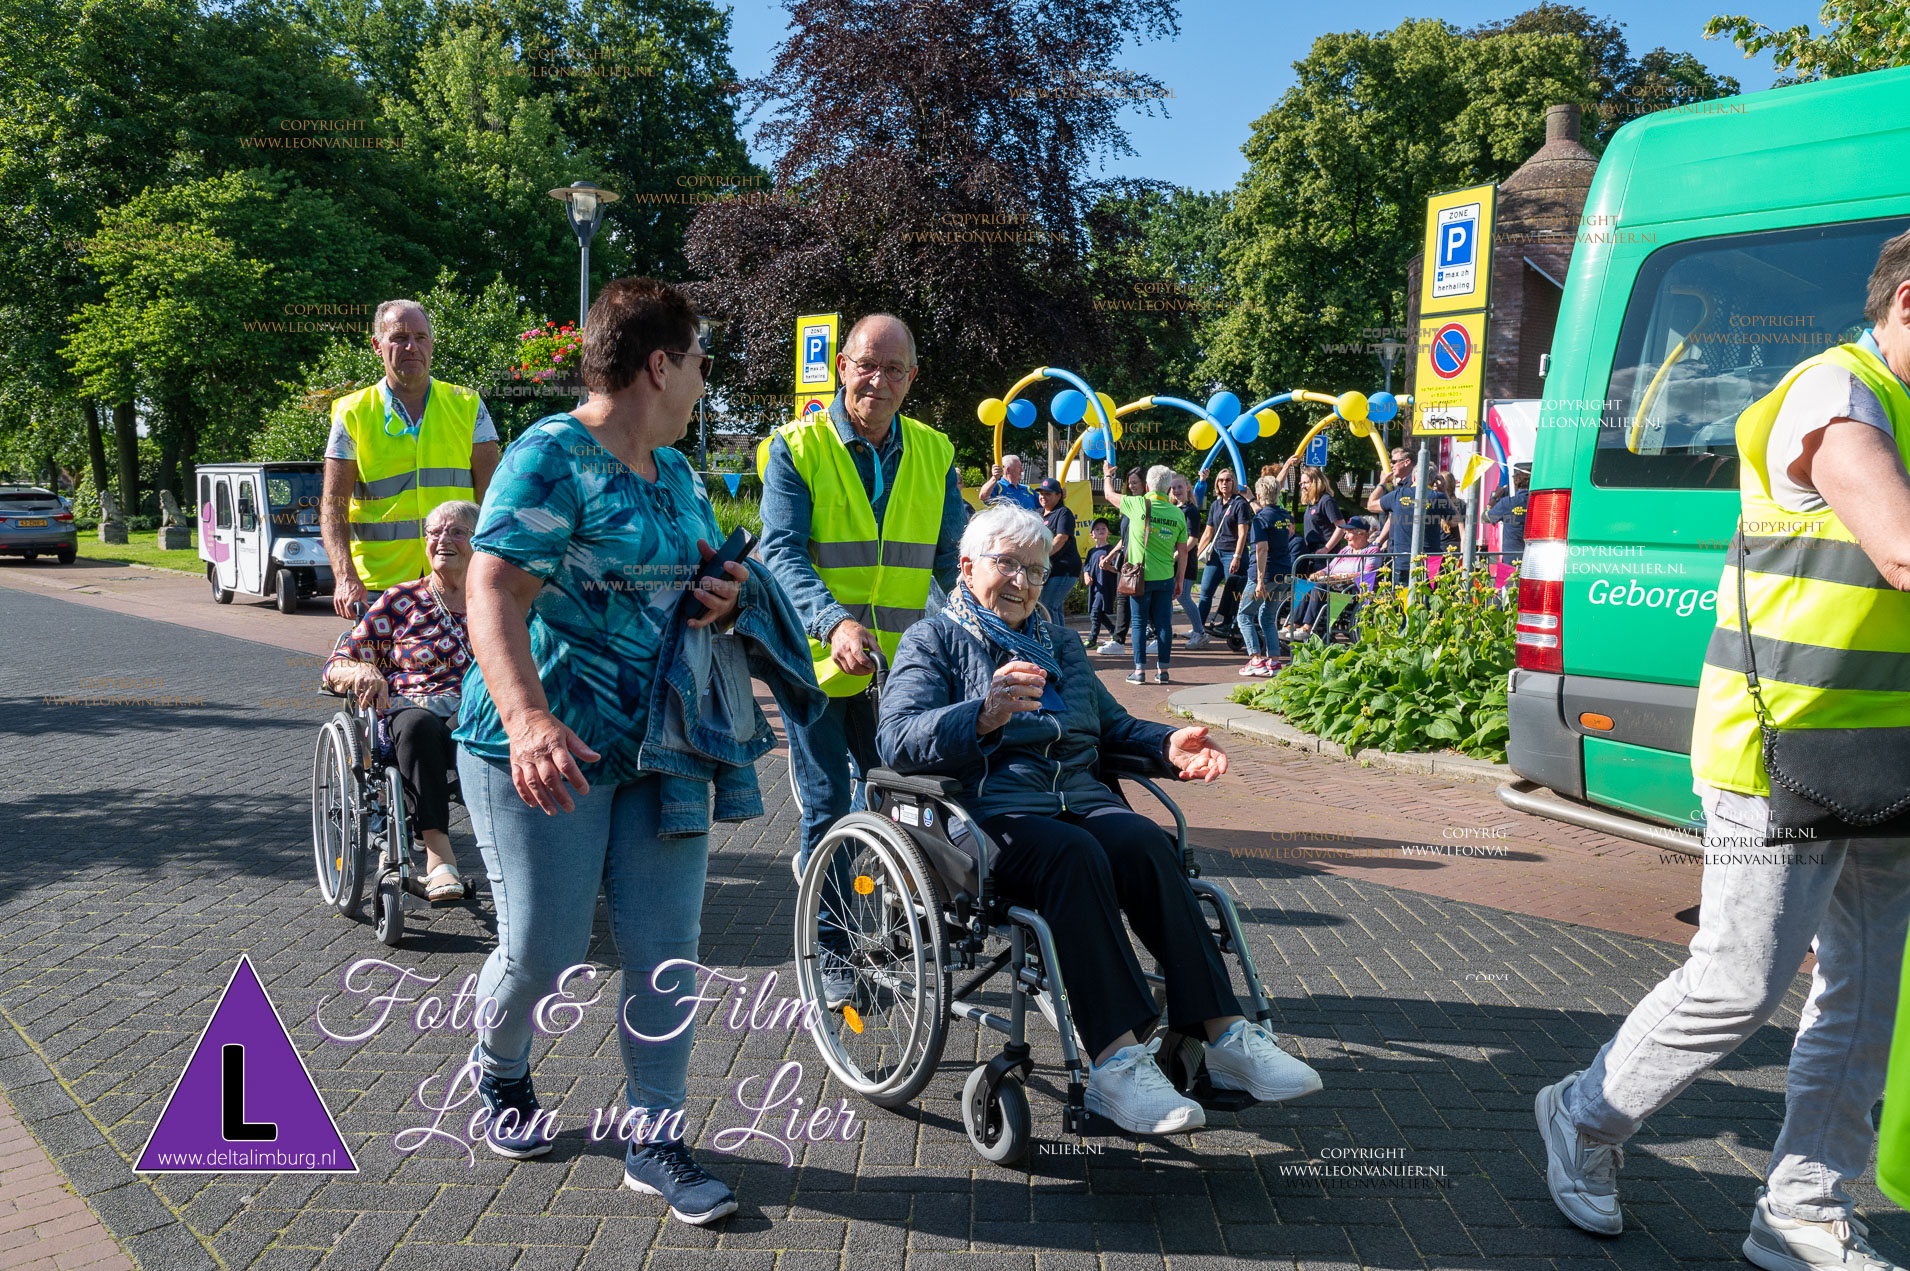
pixel 1830 637
pixel 881 576
pixel 402 476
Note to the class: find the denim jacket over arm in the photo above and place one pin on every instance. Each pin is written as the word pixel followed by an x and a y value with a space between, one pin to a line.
pixel 789 511
pixel 1039 762
pixel 704 727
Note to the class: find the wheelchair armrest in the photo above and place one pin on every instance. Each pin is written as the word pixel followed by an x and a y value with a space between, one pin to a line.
pixel 1129 764
pixel 890 779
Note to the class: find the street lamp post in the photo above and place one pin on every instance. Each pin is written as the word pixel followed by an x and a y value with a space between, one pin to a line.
pixel 1388 350
pixel 584 206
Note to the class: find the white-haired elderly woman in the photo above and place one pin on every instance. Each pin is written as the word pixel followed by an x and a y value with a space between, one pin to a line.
pixel 1156 536
pixel 407 655
pixel 987 693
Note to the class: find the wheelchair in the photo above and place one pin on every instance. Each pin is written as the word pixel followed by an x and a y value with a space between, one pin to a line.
pixel 922 910
pixel 361 824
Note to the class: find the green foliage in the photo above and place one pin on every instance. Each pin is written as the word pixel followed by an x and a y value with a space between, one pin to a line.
pixel 1426 677
pixel 734 510
pixel 549 352
pixel 1858 36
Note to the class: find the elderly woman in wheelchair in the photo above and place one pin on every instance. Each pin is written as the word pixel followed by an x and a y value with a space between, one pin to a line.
pixel 992 697
pixel 406 659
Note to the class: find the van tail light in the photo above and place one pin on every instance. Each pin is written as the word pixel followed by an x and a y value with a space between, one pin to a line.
pixel 1539 631
pixel 64 516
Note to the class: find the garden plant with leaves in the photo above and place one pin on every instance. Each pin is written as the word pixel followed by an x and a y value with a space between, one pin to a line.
pixel 1425 676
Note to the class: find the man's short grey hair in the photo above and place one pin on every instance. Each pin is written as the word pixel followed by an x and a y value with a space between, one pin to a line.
pixel 382 317
pixel 1009 523
pixel 1267 491
pixel 1008 459
pixel 1160 478
pixel 867 318
pixel 462 511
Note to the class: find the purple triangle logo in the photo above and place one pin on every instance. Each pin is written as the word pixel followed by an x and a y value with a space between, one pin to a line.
pixel 245 1103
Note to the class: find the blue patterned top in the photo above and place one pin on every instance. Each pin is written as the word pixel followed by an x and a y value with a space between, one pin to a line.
pixel 614 552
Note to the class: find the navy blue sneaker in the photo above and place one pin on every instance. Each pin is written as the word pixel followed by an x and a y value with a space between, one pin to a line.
pixel 668 1170
pixel 514 1128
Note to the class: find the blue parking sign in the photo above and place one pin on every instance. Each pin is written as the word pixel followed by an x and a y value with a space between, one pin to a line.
pixel 1456 239
pixel 1316 452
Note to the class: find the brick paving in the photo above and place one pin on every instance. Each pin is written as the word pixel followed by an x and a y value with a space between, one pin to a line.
pixel 143 848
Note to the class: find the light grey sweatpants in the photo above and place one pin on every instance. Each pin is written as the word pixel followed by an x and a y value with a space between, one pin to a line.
pixel 1762 906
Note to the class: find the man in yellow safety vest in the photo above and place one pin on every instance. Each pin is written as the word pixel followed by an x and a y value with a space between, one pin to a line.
pixel 1823 538
pixel 397 450
pixel 861 508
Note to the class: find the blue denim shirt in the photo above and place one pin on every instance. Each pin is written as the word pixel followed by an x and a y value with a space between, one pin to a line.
pixel 788 512
pixel 703 727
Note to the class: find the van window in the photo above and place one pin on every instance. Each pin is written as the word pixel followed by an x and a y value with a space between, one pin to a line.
pixel 223 506
pixel 205 495
pixel 1713 325
pixel 248 513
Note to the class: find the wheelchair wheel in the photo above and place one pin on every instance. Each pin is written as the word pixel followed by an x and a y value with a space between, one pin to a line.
pixel 888 906
pixel 1002 1130
pixel 338 822
pixel 391 911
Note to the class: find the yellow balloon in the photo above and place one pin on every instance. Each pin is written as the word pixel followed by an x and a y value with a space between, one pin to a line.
pixel 1360 427
pixel 1107 404
pixel 1202 435
pixel 1269 423
pixel 1119 427
pixel 1352 406
pixel 992 412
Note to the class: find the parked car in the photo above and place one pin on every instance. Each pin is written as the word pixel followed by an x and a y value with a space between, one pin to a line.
pixel 1728 247
pixel 36 522
pixel 258 531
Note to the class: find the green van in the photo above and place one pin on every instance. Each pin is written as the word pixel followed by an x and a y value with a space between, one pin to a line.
pixel 1722 244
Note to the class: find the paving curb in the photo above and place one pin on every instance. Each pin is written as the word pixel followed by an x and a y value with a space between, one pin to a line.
pixel 1211 704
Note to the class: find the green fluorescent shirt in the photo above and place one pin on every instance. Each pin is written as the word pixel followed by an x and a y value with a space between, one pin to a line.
pixel 1169 531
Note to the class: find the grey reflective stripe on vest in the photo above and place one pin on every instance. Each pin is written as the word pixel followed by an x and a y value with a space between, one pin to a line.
pixel 856 555
pixel 1810 665
pixel 909 555
pixel 386 487
pixel 1825 560
pixel 386 531
pixel 885 617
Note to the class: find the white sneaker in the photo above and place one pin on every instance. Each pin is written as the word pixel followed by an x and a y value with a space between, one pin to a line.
pixel 1110 648
pixel 1777 1243
pixel 1581 1173
pixel 1197 640
pixel 1131 1090
pixel 1246 1058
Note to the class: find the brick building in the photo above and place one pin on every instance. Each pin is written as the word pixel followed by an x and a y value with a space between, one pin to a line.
pixel 1540 207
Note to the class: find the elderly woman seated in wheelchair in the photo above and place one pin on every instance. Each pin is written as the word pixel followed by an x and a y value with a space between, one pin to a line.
pixel 1004 706
pixel 406 660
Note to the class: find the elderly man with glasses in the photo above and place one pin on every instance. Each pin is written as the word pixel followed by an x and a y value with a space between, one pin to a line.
pixel 398 450
pixel 862 507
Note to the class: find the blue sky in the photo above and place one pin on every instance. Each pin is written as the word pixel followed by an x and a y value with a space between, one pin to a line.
pixel 1234 58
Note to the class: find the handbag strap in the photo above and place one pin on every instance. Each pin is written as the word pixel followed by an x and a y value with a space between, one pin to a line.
pixel 1744 632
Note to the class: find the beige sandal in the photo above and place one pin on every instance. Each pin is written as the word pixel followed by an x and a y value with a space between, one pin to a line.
pixel 451 888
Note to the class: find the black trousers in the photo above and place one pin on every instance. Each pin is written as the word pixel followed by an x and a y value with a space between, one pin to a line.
pixel 1081 872
pixel 426 757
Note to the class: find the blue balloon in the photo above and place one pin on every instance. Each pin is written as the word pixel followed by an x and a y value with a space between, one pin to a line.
pixel 1021 413
pixel 1246 428
pixel 1225 408
pixel 1095 443
pixel 1381 407
pixel 1068 408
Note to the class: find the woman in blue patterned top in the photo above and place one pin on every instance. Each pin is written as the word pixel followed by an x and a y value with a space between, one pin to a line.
pixel 590 532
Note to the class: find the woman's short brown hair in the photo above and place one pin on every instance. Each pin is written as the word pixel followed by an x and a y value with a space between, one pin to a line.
pixel 631 319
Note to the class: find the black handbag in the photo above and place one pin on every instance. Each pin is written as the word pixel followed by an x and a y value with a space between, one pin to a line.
pixel 1828 783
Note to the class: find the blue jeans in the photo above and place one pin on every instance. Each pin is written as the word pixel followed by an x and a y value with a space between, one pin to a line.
pixel 1153 607
pixel 1187 604
pixel 827 761
pixel 1054 594
pixel 1213 581
pixel 1258 625
pixel 545 874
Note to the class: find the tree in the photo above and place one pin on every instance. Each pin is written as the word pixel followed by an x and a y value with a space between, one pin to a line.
pixel 1859 36
pixel 1333 203
pixel 933 160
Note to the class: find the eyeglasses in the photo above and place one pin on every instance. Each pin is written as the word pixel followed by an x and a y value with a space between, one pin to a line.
pixel 703 361
pixel 446 531
pixel 889 370
pixel 1009 567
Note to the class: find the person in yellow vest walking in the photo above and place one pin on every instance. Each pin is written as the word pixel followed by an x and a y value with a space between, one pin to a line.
pixel 397 450
pixel 1823 538
pixel 862 506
